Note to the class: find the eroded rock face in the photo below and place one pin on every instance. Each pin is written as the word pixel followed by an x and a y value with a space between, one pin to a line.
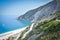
pixel 46 10
pixel 58 4
pixel 41 12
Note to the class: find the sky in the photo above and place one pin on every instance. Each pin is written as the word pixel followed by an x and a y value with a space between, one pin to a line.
pixel 19 7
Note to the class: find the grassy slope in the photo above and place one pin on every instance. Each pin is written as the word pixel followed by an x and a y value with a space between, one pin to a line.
pixel 52 29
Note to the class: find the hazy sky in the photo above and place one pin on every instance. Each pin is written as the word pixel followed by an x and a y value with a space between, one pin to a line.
pixel 19 7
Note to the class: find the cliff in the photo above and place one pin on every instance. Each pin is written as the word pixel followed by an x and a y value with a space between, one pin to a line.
pixel 45 22
pixel 41 12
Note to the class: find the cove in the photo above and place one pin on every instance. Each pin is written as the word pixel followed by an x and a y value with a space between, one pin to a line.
pixel 10 23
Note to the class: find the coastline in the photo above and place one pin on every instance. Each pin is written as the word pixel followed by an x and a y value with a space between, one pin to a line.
pixel 10 33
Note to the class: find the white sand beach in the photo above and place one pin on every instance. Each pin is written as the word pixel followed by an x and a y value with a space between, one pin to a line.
pixel 11 33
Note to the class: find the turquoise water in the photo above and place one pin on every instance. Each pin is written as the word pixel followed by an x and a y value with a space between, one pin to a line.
pixel 10 23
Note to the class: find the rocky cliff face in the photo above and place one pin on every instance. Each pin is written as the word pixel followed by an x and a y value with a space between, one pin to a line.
pixel 41 12
pixel 43 30
pixel 45 22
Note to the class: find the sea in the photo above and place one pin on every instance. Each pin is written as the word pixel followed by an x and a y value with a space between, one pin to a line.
pixel 9 23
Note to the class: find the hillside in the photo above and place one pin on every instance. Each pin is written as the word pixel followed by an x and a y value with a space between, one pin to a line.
pixel 41 12
pixel 45 22
pixel 44 30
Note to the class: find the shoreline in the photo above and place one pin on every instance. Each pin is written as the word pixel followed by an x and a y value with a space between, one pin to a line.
pixel 8 34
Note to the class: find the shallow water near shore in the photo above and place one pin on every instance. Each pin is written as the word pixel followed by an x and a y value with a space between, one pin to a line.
pixel 10 23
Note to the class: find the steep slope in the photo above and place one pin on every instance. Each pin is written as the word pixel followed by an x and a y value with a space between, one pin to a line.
pixel 45 21
pixel 41 12
pixel 52 31
pixel 43 30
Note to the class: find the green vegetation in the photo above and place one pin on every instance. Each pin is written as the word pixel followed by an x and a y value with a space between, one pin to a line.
pixel 52 29
pixel 10 38
pixel 23 33
pixel 57 14
pixel 52 26
pixel 50 36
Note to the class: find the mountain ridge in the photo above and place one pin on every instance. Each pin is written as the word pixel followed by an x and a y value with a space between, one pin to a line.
pixel 45 16
pixel 45 22
pixel 40 11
